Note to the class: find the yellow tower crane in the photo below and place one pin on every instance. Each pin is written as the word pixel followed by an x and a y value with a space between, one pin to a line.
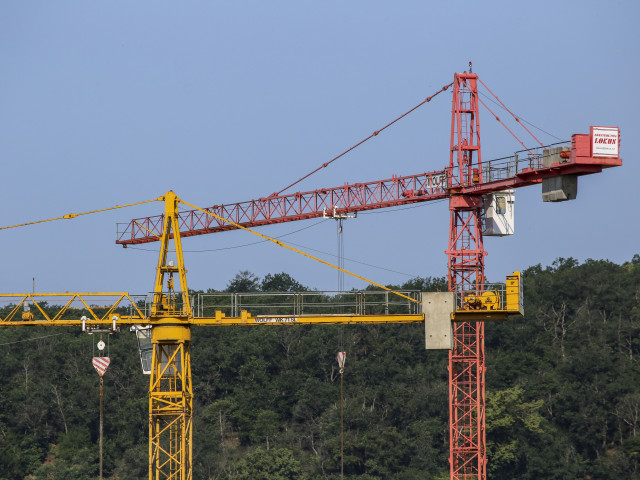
pixel 170 318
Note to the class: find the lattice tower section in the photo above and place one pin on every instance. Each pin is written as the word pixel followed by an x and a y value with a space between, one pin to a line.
pixel 467 457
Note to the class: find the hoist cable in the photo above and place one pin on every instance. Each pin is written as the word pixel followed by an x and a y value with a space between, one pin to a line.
pixel 69 216
pixel 426 100
pixel 284 245
pixel 340 256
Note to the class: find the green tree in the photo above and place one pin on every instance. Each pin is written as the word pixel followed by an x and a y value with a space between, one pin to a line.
pixel 266 426
pixel 509 418
pixel 280 282
pixel 274 464
pixel 426 284
pixel 244 281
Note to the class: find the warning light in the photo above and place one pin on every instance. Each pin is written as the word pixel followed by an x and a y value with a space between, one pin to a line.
pixel 565 154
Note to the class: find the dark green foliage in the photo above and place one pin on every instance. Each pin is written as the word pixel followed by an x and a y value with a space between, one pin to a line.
pixel 275 464
pixel 563 392
pixel 575 354
pixel 244 281
pixel 280 282
pixel 49 405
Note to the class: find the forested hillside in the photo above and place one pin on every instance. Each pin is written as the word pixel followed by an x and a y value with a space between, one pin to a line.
pixel 563 392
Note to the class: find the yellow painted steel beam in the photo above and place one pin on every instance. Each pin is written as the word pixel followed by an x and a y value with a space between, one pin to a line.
pixel 74 323
pixel 165 301
pixel 485 315
pixel 222 320
pixel 346 319
pixel 83 301
pixel 171 404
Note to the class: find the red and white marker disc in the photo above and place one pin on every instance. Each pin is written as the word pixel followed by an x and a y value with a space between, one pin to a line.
pixel 101 364
pixel 342 356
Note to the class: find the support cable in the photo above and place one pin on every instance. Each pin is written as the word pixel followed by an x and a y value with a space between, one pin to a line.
pixel 284 245
pixel 518 117
pixel 69 216
pixel 507 128
pixel 357 261
pixel 426 100
pixel 514 116
pixel 30 339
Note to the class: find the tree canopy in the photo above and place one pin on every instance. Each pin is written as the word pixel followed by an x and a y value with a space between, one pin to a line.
pixel 563 392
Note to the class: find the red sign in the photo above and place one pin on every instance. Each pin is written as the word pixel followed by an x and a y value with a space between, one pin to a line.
pixel 101 364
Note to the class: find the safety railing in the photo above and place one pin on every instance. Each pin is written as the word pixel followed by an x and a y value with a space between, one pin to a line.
pixel 503 168
pixel 307 303
pixel 521 161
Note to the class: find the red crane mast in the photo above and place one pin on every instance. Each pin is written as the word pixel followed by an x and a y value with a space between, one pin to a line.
pixel 463 182
pixel 467 441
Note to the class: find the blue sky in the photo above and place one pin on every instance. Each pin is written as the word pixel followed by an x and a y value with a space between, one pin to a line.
pixel 105 103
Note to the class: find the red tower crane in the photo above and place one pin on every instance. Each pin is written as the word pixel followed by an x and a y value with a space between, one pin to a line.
pixel 465 182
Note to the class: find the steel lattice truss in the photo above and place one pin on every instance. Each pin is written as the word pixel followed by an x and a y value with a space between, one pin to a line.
pixel 297 206
pixel 467 441
pixel 170 413
pixel 466 408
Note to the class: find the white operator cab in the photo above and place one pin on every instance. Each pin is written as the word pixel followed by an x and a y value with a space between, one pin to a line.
pixel 498 212
pixel 145 347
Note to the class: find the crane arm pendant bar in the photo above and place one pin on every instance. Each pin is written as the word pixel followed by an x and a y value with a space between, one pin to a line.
pixel 69 216
pixel 281 244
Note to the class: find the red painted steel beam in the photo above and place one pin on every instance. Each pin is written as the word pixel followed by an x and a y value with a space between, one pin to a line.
pixel 467 439
pixel 393 192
